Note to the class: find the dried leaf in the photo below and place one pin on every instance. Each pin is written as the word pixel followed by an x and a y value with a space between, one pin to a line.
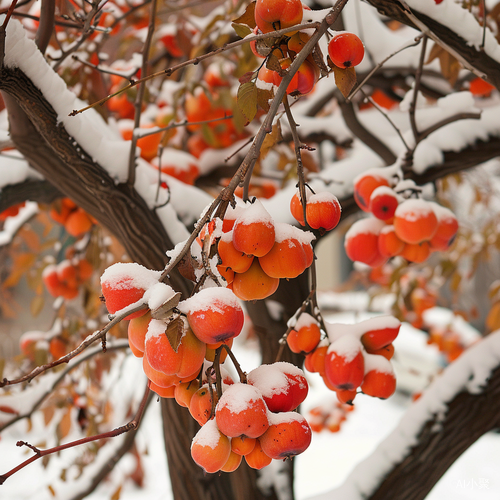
pixel 450 67
pixel 247 77
pixel 494 289
pixel 263 98
pixel 209 135
pixel 166 309
pixel 174 333
pixel 48 413
pixel 455 281
pixel 22 263
pixel 248 17
pixel 264 46
pixel 31 239
pixel 8 409
pixel 247 100
pixel 186 268
pixel 271 140
pixel 273 63
pixel 36 305
pixel 64 426
pixel 318 58
pixel 345 79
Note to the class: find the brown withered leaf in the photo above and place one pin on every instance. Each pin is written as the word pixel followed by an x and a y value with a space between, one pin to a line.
pixel 48 413
pixel 248 17
pixel 449 65
pixel 117 494
pixel 186 267
pixel 494 15
pixel 247 77
pixel 166 309
pixel 270 140
pixel 345 79
pixel 174 332
pixel 318 58
pixel 64 426
pixel 263 98
pixel 273 63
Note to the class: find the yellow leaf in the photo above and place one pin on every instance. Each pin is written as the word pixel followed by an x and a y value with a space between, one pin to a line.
pixel 493 318
pixel 116 495
pixel 247 100
pixel 36 305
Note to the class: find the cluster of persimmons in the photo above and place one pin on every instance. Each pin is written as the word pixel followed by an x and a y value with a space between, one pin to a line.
pixel 351 357
pixel 255 252
pixel 75 220
pixel 182 352
pixel 65 278
pixel 345 50
pixel 329 416
pixel 410 227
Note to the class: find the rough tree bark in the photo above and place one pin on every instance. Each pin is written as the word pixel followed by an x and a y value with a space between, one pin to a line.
pixel 469 416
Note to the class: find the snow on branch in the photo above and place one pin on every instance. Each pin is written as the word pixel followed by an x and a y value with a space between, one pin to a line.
pixel 453 28
pixel 471 375
pixel 89 129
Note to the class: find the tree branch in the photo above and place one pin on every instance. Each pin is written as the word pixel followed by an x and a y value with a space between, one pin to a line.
pixel 478 60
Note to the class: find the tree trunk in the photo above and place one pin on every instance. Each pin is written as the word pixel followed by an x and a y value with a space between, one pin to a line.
pixel 441 442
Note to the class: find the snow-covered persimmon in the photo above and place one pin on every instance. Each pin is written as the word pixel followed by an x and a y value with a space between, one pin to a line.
pixel 214 314
pixel 282 385
pixel 253 231
pixel 288 435
pixel 241 411
pixel 287 258
pixel 124 284
pixel 210 448
pixel 415 221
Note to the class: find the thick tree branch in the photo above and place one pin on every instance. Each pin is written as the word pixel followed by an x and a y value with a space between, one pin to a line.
pixel 477 59
pixel 51 151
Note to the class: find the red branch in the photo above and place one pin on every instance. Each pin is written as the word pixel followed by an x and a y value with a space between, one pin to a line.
pixel 132 425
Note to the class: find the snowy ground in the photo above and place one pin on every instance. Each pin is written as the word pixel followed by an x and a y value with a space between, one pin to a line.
pixel 475 476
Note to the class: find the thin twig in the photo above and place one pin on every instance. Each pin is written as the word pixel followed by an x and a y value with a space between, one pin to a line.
pixel 416 85
pixel 140 93
pixel 86 343
pixel 300 168
pixel 119 344
pixel 379 108
pixel 132 425
pixel 198 59
pixel 380 64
